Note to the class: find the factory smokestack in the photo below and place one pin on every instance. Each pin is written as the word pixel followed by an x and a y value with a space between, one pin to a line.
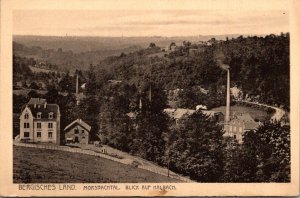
pixel 220 58
pixel 77 89
pixel 227 116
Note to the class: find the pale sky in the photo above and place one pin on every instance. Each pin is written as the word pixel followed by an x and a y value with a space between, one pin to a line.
pixel 148 22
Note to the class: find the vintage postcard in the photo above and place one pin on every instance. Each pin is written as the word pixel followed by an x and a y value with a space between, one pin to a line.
pixel 149 98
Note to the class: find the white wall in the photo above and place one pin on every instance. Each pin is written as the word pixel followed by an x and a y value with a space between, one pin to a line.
pixel 44 131
pixel 23 120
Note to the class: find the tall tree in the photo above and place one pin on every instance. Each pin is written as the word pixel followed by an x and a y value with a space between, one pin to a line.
pixel 264 156
pixel 151 123
pixel 115 125
pixel 197 151
pixel 273 152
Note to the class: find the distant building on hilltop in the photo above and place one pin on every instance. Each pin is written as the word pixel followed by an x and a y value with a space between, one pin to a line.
pixel 131 115
pixel 40 122
pixel 83 86
pixel 114 82
pixel 172 46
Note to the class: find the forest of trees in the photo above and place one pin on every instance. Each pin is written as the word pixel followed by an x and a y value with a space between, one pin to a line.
pixel 196 148
pixel 136 83
pixel 259 67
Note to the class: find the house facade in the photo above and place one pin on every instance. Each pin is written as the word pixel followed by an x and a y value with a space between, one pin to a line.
pixel 238 125
pixel 40 122
pixel 77 132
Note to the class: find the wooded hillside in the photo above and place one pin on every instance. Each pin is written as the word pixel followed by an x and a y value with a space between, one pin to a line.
pixel 259 66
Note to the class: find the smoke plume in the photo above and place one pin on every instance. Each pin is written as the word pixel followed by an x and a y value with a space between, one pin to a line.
pixel 220 58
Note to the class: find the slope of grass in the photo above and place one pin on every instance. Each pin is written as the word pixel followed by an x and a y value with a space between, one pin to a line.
pixel 34 165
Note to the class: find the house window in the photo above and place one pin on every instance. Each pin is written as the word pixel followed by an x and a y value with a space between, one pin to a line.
pixel 26 116
pixel 241 129
pixel 50 134
pixel 26 134
pixel 234 128
pixel 39 115
pixel 26 125
pixel 230 128
pixel 76 131
pixel 38 125
pixel 50 125
pixel 51 115
pixel 38 134
pixel 234 136
pixel 82 131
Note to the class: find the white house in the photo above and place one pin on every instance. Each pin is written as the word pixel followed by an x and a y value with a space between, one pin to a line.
pixel 40 122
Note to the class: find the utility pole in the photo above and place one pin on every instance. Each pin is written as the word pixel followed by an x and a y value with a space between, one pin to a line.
pixel 169 166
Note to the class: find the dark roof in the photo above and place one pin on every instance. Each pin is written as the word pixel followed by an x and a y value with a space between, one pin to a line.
pixel 36 101
pixel 54 108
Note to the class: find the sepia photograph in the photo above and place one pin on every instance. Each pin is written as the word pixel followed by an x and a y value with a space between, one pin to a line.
pixel 165 96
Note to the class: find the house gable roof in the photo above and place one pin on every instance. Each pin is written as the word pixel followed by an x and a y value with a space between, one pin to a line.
pixel 38 101
pixel 50 108
pixel 79 122
pixel 179 113
pixel 245 117
pixel 211 113
pixel 39 105
pixel 247 120
pixel 23 110
pixel 132 115
pixel 251 125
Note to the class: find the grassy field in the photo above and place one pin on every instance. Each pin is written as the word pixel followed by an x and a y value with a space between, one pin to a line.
pixel 34 165
pixel 254 112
